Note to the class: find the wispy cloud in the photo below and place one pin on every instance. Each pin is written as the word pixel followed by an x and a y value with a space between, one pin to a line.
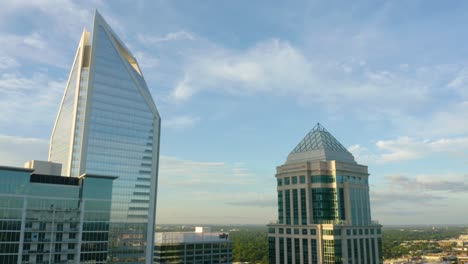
pixel 436 196
pixel 189 173
pixel 30 47
pixel 29 99
pixel 181 122
pixel 66 14
pixel 15 151
pixel 260 201
pixel 446 122
pixel 7 62
pixel 204 190
pixel 362 154
pixel 146 60
pixel 384 198
pixel 441 183
pixel 171 36
pixel 277 67
pixel 407 148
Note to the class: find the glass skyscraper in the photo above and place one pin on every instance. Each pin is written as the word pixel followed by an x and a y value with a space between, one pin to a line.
pixel 324 211
pixel 53 219
pixel 109 125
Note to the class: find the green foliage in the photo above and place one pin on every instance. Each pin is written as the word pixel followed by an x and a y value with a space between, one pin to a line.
pixel 250 246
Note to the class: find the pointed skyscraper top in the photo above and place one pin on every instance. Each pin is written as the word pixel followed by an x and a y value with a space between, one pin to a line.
pixel 319 144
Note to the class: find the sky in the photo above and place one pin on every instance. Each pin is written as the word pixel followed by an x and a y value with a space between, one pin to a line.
pixel 239 83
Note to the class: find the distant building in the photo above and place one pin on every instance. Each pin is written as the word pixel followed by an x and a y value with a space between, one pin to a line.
pixel 324 213
pixel 462 260
pixel 45 218
pixel 199 247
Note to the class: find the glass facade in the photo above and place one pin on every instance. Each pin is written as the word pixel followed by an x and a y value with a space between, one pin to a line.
pixel 272 250
pixel 40 219
pixel 288 207
pixel 193 253
pixel 115 133
pixel 80 119
pixel 313 251
pixel 280 207
pixel 322 179
pixel 289 252
pixel 60 148
pixel 297 251
pixel 281 250
pixel 120 143
pixel 295 208
pixel 324 205
pixel 303 207
pixel 305 251
pixel 95 234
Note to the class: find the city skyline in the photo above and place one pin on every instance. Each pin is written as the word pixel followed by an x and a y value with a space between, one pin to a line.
pixel 388 79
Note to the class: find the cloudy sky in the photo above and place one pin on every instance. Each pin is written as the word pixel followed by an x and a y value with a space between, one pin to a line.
pixel 239 83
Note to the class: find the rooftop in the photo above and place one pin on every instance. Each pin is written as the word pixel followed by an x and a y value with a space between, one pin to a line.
pixel 319 145
pixel 190 237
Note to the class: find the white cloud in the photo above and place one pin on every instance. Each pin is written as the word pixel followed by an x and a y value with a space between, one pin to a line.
pixel 15 151
pixel 35 40
pixel 406 148
pixel 212 192
pixel 29 99
pixel 66 14
pixel 448 121
pixel 181 122
pixel 171 36
pixel 146 60
pixel 180 172
pixel 7 62
pixel 449 183
pixel 279 68
pixel 30 47
pixel 459 83
pixel 362 154
pixel 437 197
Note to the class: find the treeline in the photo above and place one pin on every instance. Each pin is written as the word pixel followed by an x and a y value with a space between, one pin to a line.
pixel 250 243
pixel 250 246
pixel 393 237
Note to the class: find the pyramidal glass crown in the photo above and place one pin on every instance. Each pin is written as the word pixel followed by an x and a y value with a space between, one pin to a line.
pixel 109 125
pixel 319 144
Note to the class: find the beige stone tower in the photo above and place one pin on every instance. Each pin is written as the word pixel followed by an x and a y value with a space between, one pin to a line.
pixel 324 211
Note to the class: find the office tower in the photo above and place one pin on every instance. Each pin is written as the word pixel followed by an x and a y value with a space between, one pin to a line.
pixel 324 212
pixel 46 218
pixel 108 125
pixel 199 247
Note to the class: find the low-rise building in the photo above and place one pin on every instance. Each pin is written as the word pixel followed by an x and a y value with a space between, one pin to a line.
pixel 199 247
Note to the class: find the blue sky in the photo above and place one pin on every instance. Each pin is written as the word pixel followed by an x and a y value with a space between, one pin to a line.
pixel 239 83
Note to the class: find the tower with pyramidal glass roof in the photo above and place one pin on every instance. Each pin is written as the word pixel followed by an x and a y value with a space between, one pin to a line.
pixel 324 213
